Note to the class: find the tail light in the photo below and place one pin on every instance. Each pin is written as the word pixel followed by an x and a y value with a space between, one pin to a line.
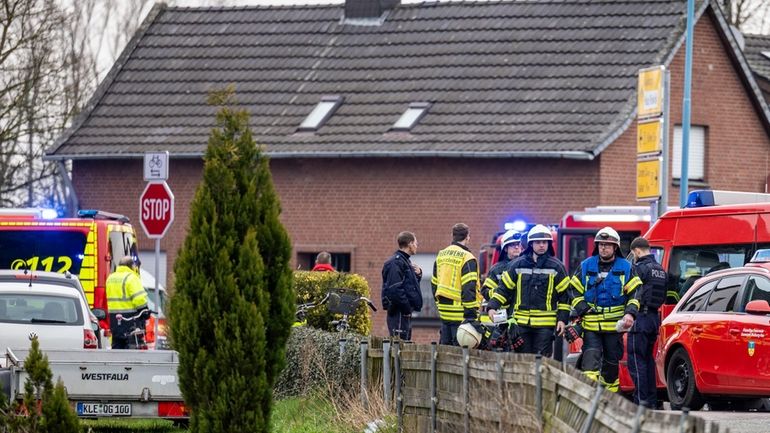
pixel 89 339
pixel 149 330
pixel 172 409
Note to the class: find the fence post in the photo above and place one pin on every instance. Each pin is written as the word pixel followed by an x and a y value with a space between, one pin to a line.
pixel 386 370
pixel 364 371
pixel 539 387
pixel 342 343
pixel 500 390
pixel 683 420
pixel 637 427
pixel 399 403
pixel 433 390
pixel 466 390
pixel 594 407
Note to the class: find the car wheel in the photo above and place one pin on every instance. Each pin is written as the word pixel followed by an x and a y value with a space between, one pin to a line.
pixel 680 382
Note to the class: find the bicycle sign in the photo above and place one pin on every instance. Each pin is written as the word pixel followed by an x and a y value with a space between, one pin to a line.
pixel 156 166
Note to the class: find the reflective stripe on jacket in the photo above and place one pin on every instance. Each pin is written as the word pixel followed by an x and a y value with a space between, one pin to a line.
pixel 455 284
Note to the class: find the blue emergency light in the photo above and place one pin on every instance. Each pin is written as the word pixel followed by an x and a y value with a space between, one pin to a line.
pixel 518 225
pixel 709 197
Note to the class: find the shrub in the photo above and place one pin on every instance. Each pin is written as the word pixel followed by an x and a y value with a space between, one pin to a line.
pixel 231 313
pixel 313 286
pixel 313 363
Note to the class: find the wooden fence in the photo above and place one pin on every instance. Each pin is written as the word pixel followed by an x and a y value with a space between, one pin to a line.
pixel 452 389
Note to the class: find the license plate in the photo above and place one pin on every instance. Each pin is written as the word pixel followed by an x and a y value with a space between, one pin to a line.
pixel 103 409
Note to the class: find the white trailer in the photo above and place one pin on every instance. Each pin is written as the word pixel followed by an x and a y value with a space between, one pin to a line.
pixel 108 383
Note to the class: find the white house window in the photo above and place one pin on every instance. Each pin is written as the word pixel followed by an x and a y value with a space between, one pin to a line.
pixel 411 116
pixel 321 113
pixel 696 154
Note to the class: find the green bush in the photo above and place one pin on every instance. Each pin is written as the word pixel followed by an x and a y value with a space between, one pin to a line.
pixel 231 314
pixel 313 286
pixel 313 363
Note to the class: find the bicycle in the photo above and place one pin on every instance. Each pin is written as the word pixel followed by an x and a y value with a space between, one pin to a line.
pixel 136 331
pixel 300 313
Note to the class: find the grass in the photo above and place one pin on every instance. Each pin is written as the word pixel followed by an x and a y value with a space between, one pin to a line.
pixel 309 414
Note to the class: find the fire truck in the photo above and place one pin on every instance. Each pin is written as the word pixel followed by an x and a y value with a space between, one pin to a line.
pixel 88 246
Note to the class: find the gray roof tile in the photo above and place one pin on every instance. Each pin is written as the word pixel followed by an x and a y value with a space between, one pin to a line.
pixel 511 76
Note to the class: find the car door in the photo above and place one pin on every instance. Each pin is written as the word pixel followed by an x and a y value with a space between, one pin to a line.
pixel 751 339
pixel 711 328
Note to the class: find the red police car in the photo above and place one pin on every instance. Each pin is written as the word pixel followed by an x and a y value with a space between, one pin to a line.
pixel 715 345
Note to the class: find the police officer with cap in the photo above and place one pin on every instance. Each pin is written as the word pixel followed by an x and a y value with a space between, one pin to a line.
pixel 642 336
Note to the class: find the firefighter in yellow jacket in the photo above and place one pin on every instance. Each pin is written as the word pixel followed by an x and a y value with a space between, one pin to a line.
pixel 126 297
pixel 455 285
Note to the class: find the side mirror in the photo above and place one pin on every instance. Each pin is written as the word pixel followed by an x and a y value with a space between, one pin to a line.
pixel 759 306
pixel 99 313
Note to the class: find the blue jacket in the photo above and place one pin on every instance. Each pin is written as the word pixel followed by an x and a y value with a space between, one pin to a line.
pixel 400 285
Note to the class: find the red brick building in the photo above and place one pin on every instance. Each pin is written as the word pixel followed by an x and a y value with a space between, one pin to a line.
pixel 529 111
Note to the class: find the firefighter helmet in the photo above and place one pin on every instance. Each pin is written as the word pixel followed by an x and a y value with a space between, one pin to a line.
pixel 608 235
pixel 539 233
pixel 467 335
pixel 510 237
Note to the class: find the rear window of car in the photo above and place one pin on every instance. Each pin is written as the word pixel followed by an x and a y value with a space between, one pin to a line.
pixel 39 308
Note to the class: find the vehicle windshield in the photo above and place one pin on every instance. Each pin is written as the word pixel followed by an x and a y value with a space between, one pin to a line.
pixel 151 300
pixel 42 250
pixel 687 264
pixel 39 308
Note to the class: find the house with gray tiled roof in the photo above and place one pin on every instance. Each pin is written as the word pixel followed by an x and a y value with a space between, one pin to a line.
pixel 380 117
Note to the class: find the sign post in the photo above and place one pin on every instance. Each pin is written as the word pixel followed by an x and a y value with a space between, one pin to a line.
pixel 156 210
pixel 652 138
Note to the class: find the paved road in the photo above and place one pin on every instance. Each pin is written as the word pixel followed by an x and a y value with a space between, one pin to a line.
pixel 737 422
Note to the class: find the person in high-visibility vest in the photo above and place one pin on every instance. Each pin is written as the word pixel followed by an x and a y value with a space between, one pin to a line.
pixel 125 297
pixel 510 249
pixel 456 285
pixel 604 293
pixel 536 284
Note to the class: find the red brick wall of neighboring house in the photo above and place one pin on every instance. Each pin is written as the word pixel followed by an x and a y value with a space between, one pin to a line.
pixel 737 145
pixel 359 205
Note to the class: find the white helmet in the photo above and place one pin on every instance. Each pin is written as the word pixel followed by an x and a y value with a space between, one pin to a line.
pixel 467 335
pixel 539 233
pixel 510 237
pixel 608 235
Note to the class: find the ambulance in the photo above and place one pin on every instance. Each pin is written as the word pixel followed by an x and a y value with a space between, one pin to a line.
pixel 89 246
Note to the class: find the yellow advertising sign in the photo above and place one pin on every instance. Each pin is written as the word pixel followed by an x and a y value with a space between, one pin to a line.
pixel 648 136
pixel 648 182
pixel 650 92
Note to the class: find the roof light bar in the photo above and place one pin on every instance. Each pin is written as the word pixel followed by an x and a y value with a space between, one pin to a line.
pixel 708 197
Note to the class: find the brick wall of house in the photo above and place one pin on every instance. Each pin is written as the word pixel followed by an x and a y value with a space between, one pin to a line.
pixel 737 145
pixel 359 205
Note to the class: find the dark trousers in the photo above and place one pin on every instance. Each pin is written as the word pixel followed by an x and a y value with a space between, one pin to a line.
pixel 536 340
pixel 400 325
pixel 641 359
pixel 119 343
pixel 601 356
pixel 448 333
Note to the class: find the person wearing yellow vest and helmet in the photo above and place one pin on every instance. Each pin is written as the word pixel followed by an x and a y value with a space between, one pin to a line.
pixel 455 285
pixel 604 294
pixel 126 297
pixel 510 249
pixel 536 284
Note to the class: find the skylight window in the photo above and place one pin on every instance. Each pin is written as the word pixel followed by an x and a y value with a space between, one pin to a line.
pixel 411 116
pixel 766 54
pixel 321 113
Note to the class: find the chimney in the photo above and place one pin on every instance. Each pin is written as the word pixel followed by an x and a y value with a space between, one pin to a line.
pixel 368 9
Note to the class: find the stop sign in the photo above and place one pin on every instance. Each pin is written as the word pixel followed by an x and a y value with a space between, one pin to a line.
pixel 156 209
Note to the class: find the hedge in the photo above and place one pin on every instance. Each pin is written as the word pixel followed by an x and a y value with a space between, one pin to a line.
pixel 313 286
pixel 313 362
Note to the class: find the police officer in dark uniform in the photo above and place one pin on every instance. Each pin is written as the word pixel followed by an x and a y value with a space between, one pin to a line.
pixel 644 332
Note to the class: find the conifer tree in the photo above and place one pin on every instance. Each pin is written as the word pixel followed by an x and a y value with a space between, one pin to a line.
pixel 231 312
